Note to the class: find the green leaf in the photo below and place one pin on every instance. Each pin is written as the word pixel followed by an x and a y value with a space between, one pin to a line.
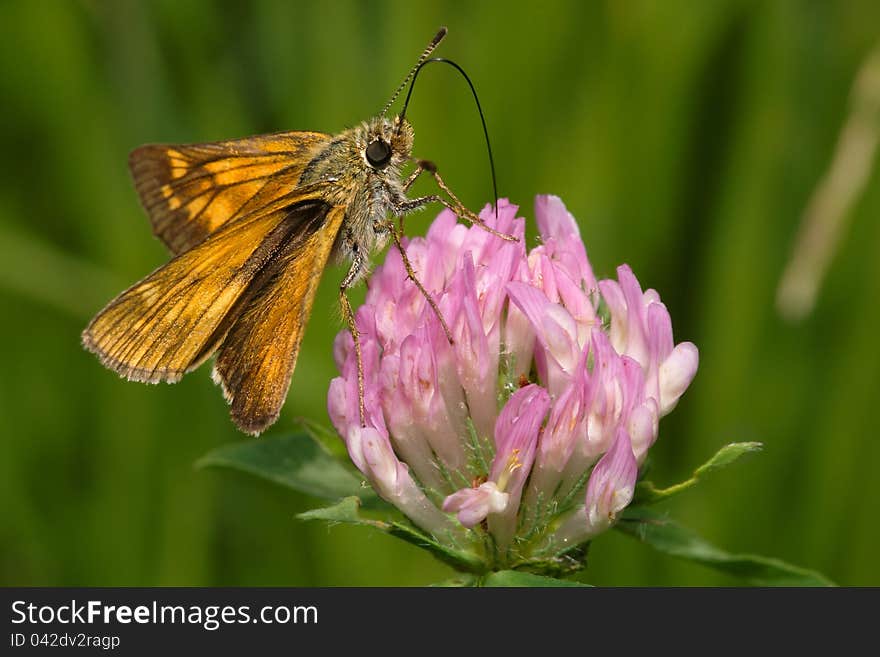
pixel 347 511
pixel 325 437
pixel 515 578
pixel 666 536
pixel 296 461
pixel 459 559
pixel 459 582
pixel 647 493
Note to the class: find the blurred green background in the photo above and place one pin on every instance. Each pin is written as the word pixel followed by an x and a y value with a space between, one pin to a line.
pixel 686 137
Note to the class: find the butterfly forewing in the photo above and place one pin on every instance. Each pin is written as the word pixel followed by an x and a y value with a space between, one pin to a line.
pixel 189 191
pixel 173 319
pixel 256 360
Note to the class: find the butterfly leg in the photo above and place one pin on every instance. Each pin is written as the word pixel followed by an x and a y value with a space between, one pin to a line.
pixel 421 167
pixel 354 273
pixel 472 217
pixel 411 274
pixel 408 205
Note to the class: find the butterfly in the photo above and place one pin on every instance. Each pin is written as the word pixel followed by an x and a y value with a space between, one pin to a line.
pixel 251 224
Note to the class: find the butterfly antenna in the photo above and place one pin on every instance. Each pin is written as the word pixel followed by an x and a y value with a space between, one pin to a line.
pixel 441 34
pixel 442 60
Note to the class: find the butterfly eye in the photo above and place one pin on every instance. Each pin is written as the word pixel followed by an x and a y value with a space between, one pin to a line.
pixel 378 154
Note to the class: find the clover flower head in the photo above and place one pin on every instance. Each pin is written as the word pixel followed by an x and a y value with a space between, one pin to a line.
pixel 521 438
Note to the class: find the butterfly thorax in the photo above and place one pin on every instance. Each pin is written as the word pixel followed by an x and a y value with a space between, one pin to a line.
pixel 368 189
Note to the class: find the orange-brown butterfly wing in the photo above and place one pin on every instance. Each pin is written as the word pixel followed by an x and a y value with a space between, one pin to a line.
pixel 168 323
pixel 190 190
pixel 256 360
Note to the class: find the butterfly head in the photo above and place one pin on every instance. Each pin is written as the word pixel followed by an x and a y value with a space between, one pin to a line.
pixel 387 143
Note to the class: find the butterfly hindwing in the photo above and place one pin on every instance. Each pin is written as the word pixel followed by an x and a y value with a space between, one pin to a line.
pixel 168 323
pixel 190 190
pixel 257 357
